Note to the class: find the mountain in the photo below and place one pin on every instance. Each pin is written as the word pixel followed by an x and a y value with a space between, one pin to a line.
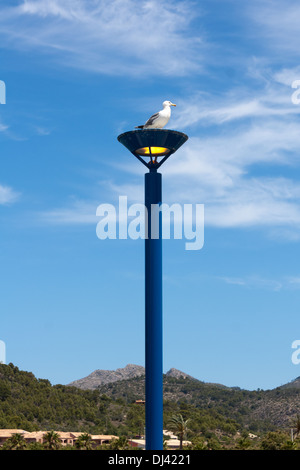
pixel 293 384
pixel 178 373
pixel 101 377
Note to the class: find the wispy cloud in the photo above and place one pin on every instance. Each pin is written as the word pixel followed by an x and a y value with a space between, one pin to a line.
pixel 258 282
pixel 255 282
pixel 294 282
pixel 115 37
pixel 241 159
pixel 3 127
pixel 76 212
pixel 7 195
pixel 278 24
pixel 209 175
pixel 271 97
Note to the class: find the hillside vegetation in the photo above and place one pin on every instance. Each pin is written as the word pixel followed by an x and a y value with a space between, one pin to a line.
pixel 219 417
pixel 255 411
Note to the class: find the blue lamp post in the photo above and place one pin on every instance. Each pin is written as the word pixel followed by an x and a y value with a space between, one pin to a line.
pixel 153 147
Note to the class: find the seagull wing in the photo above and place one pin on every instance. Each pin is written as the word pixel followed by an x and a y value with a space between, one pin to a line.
pixel 152 119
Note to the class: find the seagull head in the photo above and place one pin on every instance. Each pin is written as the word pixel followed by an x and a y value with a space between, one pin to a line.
pixel 168 103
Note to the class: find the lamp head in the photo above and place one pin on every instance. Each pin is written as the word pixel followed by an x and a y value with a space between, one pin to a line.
pixel 152 143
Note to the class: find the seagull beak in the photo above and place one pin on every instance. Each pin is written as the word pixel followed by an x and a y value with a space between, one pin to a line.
pixel 173 104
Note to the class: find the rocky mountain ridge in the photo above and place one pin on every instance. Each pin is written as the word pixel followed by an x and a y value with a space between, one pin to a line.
pixel 101 377
pixel 293 384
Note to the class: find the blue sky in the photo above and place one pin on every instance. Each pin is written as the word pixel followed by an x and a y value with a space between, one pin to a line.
pixel 78 73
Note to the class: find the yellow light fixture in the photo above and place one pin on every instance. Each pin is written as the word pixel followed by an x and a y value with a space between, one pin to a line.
pixel 155 151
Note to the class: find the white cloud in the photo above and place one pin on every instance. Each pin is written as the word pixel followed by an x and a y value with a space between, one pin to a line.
pixel 78 212
pixel 7 195
pixel 268 99
pixel 278 24
pixel 258 282
pixel 83 212
pixel 3 127
pixel 294 282
pixel 255 282
pixel 242 157
pixel 241 169
pixel 115 37
pixel 217 171
pixel 287 76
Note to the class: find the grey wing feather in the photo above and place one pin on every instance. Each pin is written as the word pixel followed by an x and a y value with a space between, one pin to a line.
pixel 152 119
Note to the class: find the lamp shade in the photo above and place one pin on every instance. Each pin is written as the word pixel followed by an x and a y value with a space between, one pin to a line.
pixel 152 143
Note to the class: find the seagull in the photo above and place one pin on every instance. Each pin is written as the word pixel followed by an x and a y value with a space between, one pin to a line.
pixel 160 119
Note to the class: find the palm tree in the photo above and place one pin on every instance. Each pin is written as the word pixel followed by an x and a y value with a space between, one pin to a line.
pixel 119 444
pixel 16 442
pixel 296 428
pixel 51 440
pixel 84 441
pixel 179 426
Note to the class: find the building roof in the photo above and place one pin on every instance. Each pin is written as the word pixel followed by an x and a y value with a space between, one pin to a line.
pixel 139 442
pixel 170 434
pixel 28 435
pixel 61 434
pixel 176 443
pixel 10 432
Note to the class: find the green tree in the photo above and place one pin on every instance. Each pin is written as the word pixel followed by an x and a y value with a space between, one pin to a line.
pixel 243 443
pixel 179 426
pixel 51 440
pixel 35 446
pixel 119 444
pixel 296 428
pixel 84 441
pixel 275 440
pixel 5 391
pixel 15 442
pixel 198 444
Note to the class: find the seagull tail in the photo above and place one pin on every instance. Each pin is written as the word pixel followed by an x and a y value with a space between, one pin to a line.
pixel 139 127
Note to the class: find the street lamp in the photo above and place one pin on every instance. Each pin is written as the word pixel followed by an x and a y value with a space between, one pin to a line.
pixel 153 147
